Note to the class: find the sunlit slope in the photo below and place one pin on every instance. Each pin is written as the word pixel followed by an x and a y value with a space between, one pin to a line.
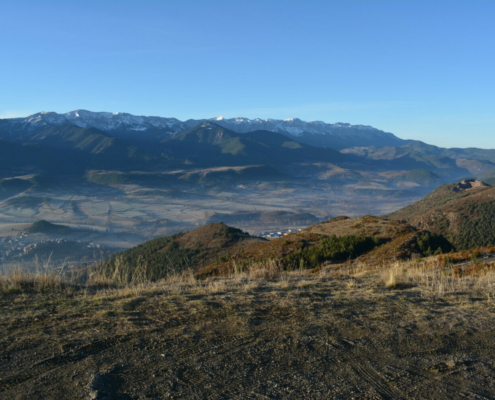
pixel 217 249
pixel 463 212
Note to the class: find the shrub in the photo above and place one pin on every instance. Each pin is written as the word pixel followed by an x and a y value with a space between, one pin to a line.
pixel 334 248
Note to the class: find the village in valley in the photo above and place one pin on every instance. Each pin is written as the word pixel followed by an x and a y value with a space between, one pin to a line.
pixel 277 234
pixel 27 248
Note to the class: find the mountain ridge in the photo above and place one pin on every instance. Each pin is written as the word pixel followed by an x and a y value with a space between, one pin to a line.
pixel 122 141
pixel 209 142
pixel 336 135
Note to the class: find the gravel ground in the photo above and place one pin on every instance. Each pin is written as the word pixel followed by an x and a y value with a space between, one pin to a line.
pixel 291 338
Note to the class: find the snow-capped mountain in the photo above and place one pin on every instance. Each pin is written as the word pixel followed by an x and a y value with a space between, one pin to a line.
pixel 292 126
pixel 104 121
pixel 132 127
pixel 317 133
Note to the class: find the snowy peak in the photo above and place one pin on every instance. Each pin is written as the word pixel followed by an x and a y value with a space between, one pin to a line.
pixel 318 133
pixel 295 126
pixel 287 125
pixel 338 135
pixel 45 118
pixel 107 121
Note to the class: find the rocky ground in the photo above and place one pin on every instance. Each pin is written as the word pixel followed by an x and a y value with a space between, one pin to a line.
pixel 337 335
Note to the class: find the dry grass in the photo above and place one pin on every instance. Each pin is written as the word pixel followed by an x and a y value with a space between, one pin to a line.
pixel 464 255
pixel 424 276
pixel 19 280
pixel 42 278
pixel 432 279
pixel 122 273
pixel 268 269
pixel 428 276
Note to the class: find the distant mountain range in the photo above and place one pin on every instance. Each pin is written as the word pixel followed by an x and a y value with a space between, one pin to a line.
pixel 140 128
pixel 342 154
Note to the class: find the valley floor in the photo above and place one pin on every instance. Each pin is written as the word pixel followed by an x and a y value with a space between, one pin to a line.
pixel 124 216
pixel 332 335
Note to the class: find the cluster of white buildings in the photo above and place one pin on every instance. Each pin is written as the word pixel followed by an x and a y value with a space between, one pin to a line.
pixel 12 247
pixel 277 234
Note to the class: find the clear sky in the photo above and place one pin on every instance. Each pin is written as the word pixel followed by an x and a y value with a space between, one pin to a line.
pixel 420 69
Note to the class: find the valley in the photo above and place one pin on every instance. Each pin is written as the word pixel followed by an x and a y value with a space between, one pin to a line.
pixel 121 216
pixel 117 180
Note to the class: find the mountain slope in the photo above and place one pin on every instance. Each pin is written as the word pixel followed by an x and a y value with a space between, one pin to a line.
pixel 375 240
pixel 217 249
pixel 406 158
pixel 169 254
pixel 416 154
pixel 25 158
pixel 104 121
pixel 89 140
pixel 138 141
pixel 90 148
pixel 316 133
pixel 464 213
pixel 455 153
pixel 13 186
pixel 209 143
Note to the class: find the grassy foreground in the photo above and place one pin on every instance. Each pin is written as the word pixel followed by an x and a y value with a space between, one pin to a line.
pixel 417 329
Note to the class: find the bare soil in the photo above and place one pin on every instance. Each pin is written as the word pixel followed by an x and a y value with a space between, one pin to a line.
pixel 295 337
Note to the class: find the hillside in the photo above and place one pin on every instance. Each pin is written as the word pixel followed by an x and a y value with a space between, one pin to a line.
pixel 272 218
pixel 48 228
pixel 22 158
pixel 316 133
pixel 448 164
pixel 406 158
pixel 463 212
pixel 206 175
pixel 341 239
pixel 169 254
pixel 233 174
pixel 71 149
pixel 217 249
pixel 80 140
pixel 485 155
pixel 91 148
pixel 211 144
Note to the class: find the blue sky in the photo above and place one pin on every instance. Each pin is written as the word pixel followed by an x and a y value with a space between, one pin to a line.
pixel 420 69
